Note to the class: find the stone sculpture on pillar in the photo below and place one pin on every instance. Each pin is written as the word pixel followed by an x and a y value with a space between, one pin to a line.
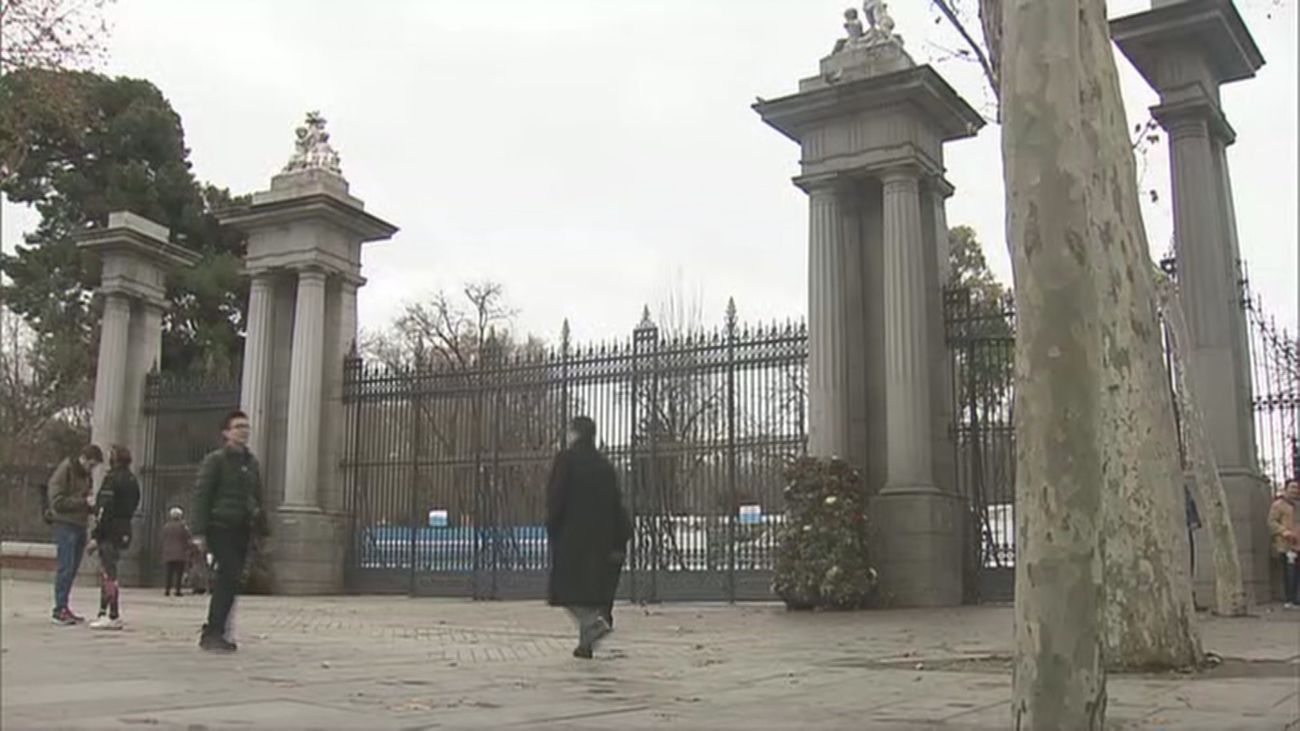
pixel 880 29
pixel 872 127
pixel 305 237
pixel 1186 50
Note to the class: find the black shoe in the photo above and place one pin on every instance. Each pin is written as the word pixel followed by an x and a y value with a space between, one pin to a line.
pixel 214 643
pixel 167 593
pixel 583 653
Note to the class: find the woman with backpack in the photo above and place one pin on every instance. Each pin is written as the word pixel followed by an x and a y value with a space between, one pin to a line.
pixel 118 498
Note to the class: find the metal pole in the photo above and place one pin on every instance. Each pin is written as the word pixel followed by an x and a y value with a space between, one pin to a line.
pixel 733 501
pixel 634 484
pixel 416 522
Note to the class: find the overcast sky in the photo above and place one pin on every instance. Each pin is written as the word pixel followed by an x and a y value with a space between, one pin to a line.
pixel 592 155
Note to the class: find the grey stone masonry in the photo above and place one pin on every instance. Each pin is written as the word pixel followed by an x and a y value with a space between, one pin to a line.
pixel 135 259
pixel 305 236
pixel 1185 50
pixel 871 128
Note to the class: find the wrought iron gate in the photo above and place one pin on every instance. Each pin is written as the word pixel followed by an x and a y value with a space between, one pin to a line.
pixel 184 423
pixel 447 466
pixel 981 344
pixel 1275 360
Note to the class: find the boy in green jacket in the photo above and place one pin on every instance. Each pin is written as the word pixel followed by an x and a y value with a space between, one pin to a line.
pixel 227 508
pixel 71 502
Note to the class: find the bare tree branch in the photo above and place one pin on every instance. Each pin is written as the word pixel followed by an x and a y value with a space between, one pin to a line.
pixel 990 67
pixel 51 34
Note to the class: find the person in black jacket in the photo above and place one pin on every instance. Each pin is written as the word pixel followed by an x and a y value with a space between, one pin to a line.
pixel 588 529
pixel 115 505
pixel 227 509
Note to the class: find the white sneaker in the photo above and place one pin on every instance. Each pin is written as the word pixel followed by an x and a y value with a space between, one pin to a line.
pixel 106 623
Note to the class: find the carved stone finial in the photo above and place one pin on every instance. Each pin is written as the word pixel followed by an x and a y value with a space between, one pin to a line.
pixel 312 150
pixel 880 27
pixel 852 24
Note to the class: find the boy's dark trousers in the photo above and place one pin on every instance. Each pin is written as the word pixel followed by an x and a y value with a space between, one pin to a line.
pixel 230 550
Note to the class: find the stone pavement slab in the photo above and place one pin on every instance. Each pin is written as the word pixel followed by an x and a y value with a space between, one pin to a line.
pixel 406 664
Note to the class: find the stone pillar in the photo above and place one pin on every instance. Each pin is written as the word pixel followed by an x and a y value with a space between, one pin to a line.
pixel 109 418
pixel 828 384
pixel 1237 315
pixel 306 225
pixel 348 310
pixel 135 258
pixel 907 365
pixel 874 121
pixel 935 219
pixel 1208 289
pixel 1186 51
pixel 259 344
pixel 920 547
pixel 303 453
pixel 144 357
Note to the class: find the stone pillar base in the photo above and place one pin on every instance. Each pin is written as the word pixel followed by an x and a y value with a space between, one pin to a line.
pixel 917 545
pixel 1249 497
pixel 307 551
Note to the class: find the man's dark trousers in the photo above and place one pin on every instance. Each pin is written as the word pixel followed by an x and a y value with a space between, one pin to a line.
pixel 230 550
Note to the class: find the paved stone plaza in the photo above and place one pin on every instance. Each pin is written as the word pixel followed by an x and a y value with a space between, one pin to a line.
pixel 397 663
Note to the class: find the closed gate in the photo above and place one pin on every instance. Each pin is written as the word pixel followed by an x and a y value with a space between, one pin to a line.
pixel 981 344
pixel 185 414
pixel 446 466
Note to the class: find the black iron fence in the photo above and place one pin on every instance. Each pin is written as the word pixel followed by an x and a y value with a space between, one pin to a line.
pixel 980 332
pixel 186 413
pixel 447 467
pixel 20 502
pixel 1275 362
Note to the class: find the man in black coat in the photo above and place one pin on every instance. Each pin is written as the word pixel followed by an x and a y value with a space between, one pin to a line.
pixel 588 530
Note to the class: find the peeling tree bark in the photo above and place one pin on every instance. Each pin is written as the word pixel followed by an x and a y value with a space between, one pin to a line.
pixel 1150 618
pixel 1229 591
pixel 1059 673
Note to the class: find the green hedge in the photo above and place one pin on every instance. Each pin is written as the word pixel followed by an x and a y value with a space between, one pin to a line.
pixel 823 561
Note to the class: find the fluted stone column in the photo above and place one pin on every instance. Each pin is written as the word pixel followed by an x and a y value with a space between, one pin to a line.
pixel 873 121
pixel 108 420
pixel 907 363
pixel 828 377
pixel 1237 315
pixel 1207 286
pixel 306 222
pixel 934 208
pixel 1186 51
pixel 348 315
pixel 145 355
pixel 255 386
pixel 305 391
